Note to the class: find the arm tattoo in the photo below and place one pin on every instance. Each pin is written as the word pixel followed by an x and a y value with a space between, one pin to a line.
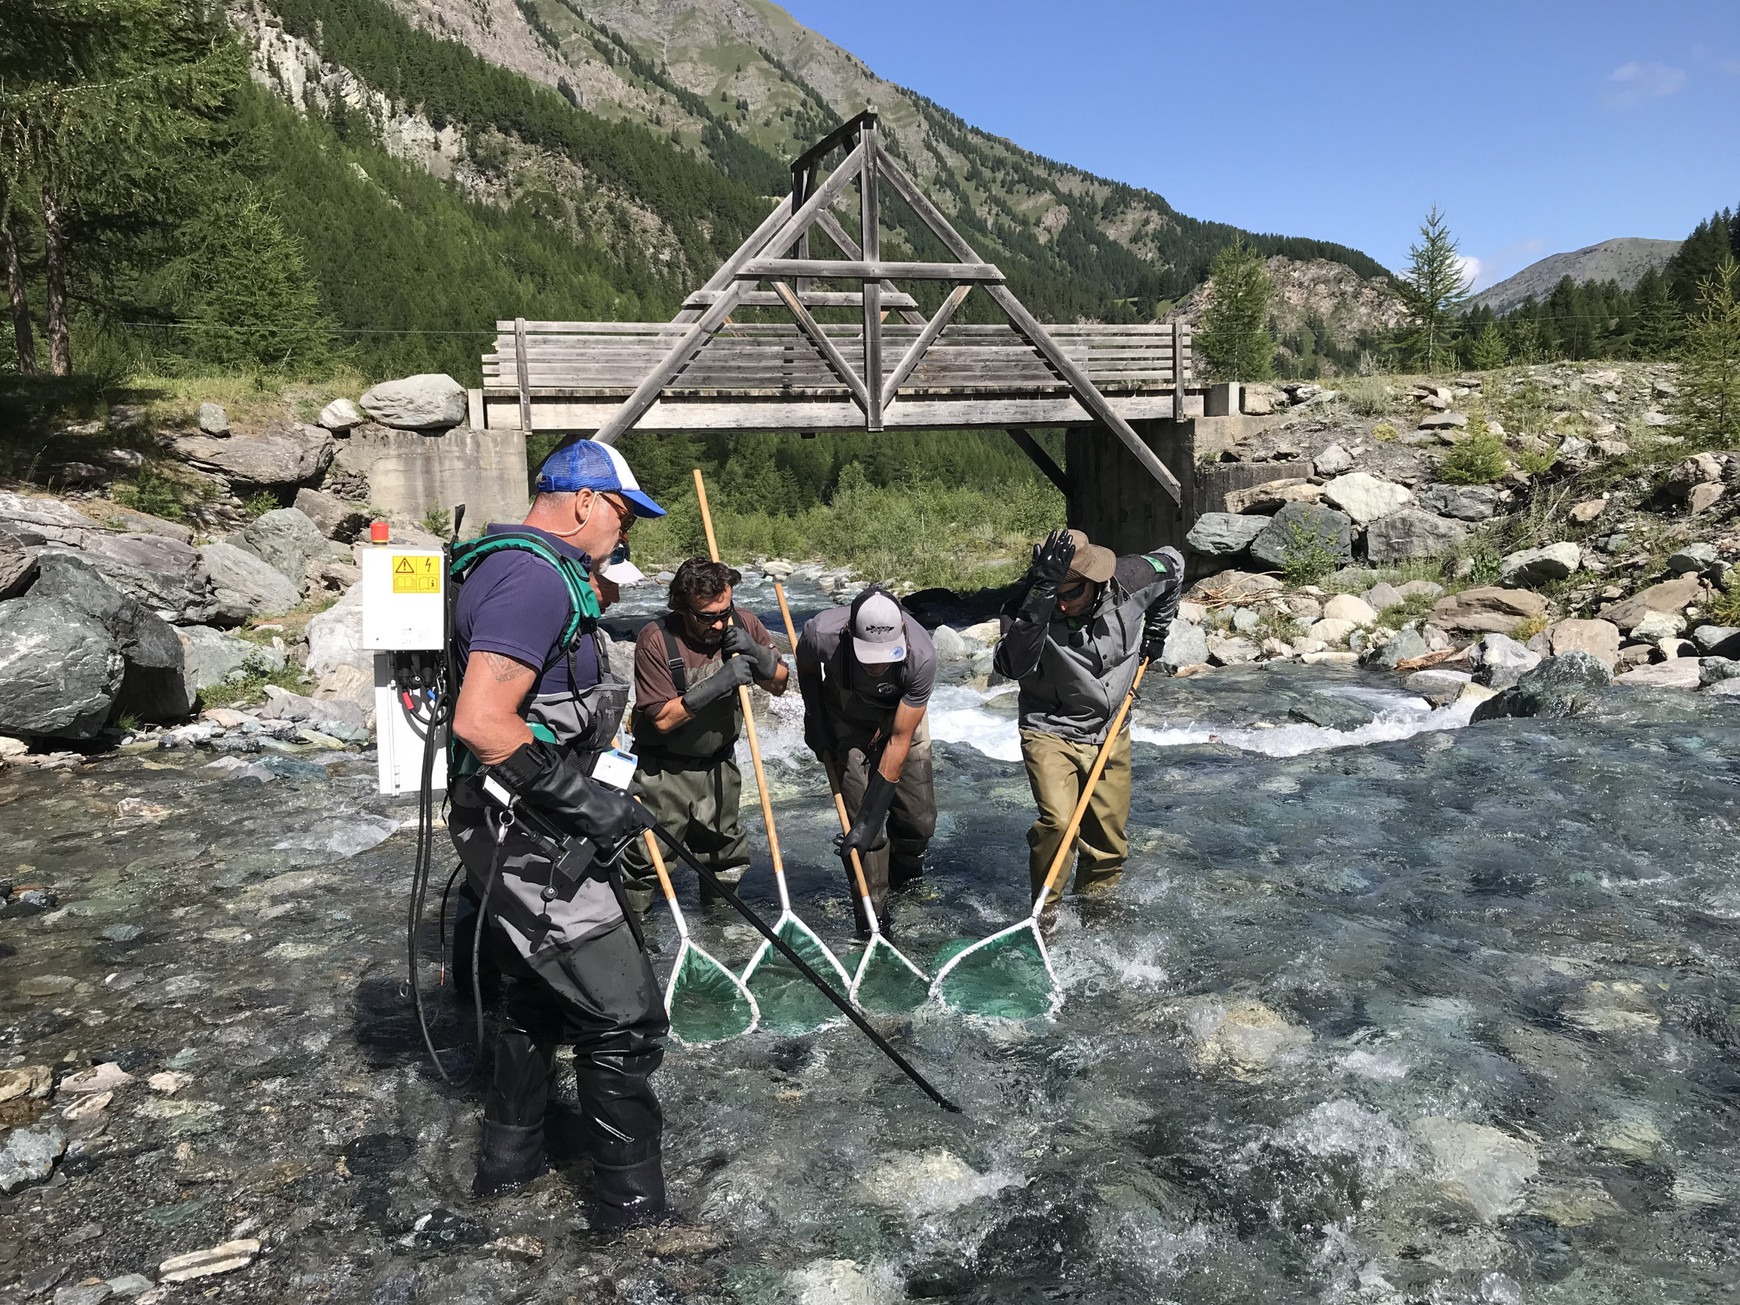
pixel 504 669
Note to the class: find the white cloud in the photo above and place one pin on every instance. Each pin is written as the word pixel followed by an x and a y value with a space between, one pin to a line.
pixel 1496 264
pixel 1633 83
pixel 1470 268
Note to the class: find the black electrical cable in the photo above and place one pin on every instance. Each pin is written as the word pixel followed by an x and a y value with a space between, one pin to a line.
pixel 445 894
pixel 423 866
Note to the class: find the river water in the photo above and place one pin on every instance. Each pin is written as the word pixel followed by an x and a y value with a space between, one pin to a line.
pixel 1408 1011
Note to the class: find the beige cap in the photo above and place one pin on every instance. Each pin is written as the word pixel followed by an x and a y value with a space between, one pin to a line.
pixel 1091 561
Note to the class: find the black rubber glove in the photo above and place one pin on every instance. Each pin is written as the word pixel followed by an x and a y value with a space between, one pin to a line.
pixel 735 672
pixel 739 643
pixel 549 779
pixel 872 814
pixel 1050 567
pixel 1154 636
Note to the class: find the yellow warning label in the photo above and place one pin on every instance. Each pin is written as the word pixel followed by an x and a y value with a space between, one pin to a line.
pixel 416 575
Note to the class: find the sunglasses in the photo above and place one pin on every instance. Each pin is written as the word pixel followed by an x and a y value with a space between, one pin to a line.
pixel 1072 592
pixel 711 620
pixel 624 514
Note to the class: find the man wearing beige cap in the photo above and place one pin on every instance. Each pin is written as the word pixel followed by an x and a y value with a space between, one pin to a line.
pixel 1073 635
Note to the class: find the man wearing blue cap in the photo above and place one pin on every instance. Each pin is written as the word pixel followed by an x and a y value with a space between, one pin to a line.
pixel 538 705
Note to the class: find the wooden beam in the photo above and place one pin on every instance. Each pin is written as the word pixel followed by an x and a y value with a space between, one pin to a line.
pixel 824 345
pixel 849 247
pixel 869 222
pixel 756 243
pixel 1028 325
pixel 1041 459
pixel 916 350
pixel 524 375
pixel 784 269
pixel 809 299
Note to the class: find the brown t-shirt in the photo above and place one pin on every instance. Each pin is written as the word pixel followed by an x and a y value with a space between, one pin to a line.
pixel 652 672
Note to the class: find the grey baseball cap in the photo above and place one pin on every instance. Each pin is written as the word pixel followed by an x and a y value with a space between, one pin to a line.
pixel 878 629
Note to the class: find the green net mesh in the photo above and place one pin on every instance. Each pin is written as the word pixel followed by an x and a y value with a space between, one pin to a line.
pixel 888 986
pixel 706 1003
pixel 1005 978
pixel 789 1002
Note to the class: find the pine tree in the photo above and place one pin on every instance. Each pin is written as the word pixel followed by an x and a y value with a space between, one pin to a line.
pixel 1659 321
pixel 1709 398
pixel 1234 338
pixel 1698 257
pixel 1434 287
pixel 1488 351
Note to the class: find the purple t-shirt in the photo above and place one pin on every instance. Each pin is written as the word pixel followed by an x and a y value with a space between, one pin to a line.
pixel 515 604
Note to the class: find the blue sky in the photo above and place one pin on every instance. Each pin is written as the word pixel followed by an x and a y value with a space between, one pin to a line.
pixel 1537 127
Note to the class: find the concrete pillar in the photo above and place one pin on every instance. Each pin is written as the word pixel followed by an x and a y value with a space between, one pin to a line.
pixel 409 472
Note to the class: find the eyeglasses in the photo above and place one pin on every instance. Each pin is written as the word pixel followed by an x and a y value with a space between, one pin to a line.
pixel 711 620
pixel 624 513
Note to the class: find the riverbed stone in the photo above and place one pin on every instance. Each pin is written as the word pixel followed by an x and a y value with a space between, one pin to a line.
pixel 1233 586
pixel 1410 534
pixel 247 585
pixel 340 416
pixel 1326 711
pixel 1303 528
pixel 335 638
pixel 224 1258
pixel 839 1282
pixel 1501 661
pixel 1347 607
pixel 1463 502
pixel 29 1154
pixel 1717 640
pixel 1658 627
pixel 1223 534
pixel 1702 558
pixel 949 645
pixel 287 540
pixel 1487 1168
pixel 164 575
pixel 335 518
pixel 1240 1036
pixel 428 401
pixel 60 670
pixel 1560 686
pixel 1487 608
pixel 1675 673
pixel 1186 645
pixel 281 704
pixel 1668 596
pixel 1406 645
pixel 1231 652
pixel 1272 495
pixel 1365 497
pixel 1331 629
pixel 1533 566
pixel 213 420
pixel 1437 685
pixel 1600 638
pixel 1714 670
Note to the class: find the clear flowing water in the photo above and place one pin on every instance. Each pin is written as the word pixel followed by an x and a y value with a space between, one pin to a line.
pixel 1410 1012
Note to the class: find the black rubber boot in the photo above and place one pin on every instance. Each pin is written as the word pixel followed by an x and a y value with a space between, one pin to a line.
pixel 511 1156
pixel 904 870
pixel 626 1195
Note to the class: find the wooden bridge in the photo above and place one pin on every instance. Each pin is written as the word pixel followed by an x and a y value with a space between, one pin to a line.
pixel 703 371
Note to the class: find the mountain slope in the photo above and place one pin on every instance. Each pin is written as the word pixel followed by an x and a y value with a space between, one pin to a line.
pixel 1623 260
pixel 740 87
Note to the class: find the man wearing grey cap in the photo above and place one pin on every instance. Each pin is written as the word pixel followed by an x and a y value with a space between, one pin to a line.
pixel 1072 635
pixel 866 674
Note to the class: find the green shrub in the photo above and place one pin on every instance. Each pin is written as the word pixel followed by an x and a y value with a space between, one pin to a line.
pixel 151 493
pixel 1479 459
pixel 438 521
pixel 260 503
pixel 1309 555
pixel 1385 433
pixel 252 686
pixel 1725 607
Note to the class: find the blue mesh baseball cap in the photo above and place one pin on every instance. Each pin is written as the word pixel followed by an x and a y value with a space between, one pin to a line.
pixel 587 464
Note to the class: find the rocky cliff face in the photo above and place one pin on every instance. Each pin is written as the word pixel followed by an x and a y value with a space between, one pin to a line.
pixel 1316 293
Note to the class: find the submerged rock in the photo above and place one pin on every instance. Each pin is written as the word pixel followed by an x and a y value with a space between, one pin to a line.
pixel 1560 686
pixel 930 1182
pixel 29 1155
pixel 1487 1168
pixel 1241 1037
pixel 839 1282
pixel 224 1258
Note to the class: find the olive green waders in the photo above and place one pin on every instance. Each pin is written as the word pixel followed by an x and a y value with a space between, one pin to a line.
pixel 1056 771
pixel 696 800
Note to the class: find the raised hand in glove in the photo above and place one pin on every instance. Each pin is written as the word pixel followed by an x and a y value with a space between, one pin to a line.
pixel 1051 561
pixel 733 673
pixel 872 815
pixel 739 643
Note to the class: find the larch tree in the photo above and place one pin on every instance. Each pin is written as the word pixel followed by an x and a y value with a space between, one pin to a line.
pixel 1709 358
pixel 1434 288
pixel 1234 338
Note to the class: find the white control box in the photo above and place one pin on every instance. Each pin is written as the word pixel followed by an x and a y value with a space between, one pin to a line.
pixel 402 714
pixel 403 599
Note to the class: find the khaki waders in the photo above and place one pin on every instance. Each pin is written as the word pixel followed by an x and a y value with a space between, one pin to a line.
pixel 1056 770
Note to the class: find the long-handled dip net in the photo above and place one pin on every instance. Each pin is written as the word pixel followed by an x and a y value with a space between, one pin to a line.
pixel 885 981
pixel 705 1001
pixel 789 1003
pixel 1009 974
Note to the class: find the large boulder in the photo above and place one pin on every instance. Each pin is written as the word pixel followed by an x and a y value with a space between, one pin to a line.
pixel 1717 640
pixel 1272 495
pixel 1233 586
pixel 1675 673
pixel 17 568
pixel 1487 609
pixel 1501 661
pixel 336 519
pixel 154 686
pixel 1223 534
pixel 1559 687
pixel 287 540
pixel 278 457
pixel 211 656
pixel 31 519
pixel 1668 596
pixel 1404 646
pixel 1600 638
pixel 335 638
pixel 1411 533
pixel 1348 607
pixel 60 670
pixel 165 575
pixel 340 415
pixel 1186 645
pixel 247 585
pixel 1464 502
pixel 1533 566
pixel 430 401
pixel 1299 529
pixel 1365 497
